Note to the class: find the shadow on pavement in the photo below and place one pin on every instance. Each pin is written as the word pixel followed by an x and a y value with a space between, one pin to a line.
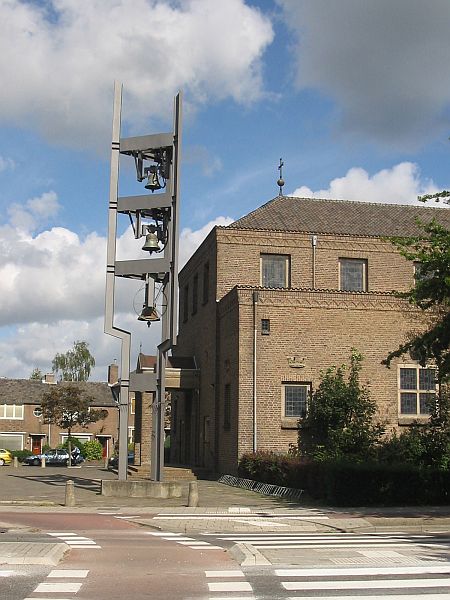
pixel 60 480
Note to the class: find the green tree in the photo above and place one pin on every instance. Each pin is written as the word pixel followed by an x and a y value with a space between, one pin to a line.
pixel 431 294
pixel 67 406
pixel 36 374
pixel 75 364
pixel 339 421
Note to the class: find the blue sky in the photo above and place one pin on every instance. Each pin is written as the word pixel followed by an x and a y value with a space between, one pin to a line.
pixel 353 95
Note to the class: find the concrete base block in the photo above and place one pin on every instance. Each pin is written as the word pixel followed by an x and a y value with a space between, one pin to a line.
pixel 141 489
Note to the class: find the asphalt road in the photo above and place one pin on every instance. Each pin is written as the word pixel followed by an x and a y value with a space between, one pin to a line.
pixel 112 557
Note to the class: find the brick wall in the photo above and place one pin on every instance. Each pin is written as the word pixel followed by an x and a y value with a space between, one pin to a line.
pixel 314 328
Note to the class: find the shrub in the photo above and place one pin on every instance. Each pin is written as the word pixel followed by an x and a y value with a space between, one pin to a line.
pixel 21 454
pixel 93 450
pixel 339 421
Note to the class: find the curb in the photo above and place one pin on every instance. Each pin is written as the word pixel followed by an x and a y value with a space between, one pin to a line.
pixel 247 555
pixel 29 553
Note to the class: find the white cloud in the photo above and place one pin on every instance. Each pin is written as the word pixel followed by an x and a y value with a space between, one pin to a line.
pixel 400 184
pixel 35 211
pixel 191 240
pixel 60 59
pixel 385 63
pixel 52 292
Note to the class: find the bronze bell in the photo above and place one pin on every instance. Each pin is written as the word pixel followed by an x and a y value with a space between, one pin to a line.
pixel 151 242
pixel 153 181
pixel 149 313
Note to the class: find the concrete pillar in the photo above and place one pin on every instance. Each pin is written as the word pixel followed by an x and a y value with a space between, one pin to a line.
pixel 70 493
pixel 43 462
pixel 193 494
pixel 16 462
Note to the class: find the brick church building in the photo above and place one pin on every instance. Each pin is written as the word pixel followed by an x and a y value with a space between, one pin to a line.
pixel 280 295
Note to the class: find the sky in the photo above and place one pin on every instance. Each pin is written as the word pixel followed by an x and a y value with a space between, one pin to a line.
pixel 353 95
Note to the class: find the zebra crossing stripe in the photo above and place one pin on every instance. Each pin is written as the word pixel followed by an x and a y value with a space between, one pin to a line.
pixel 69 573
pixel 366 585
pixel 363 571
pixel 227 573
pixel 230 586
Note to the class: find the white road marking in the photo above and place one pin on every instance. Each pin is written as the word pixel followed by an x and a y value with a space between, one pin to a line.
pixel 83 543
pixel 68 573
pixel 107 513
pixel 365 585
pixel 209 547
pixel 194 543
pixel 230 586
pixel 239 509
pixel 229 573
pixel 54 588
pixel 128 517
pixel 74 539
pixel 7 573
pixel 161 533
pixel 177 539
pixel 362 571
pixel 263 523
pixel 74 546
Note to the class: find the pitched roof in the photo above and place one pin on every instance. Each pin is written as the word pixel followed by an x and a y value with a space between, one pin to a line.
pixel 29 391
pixel 340 217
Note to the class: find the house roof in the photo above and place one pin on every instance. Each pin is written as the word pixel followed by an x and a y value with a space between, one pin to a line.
pixel 146 361
pixel 340 217
pixel 29 391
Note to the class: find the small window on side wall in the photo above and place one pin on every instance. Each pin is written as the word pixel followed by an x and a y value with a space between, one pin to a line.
pixel 205 283
pixel 265 326
pixel 353 275
pixel 185 303
pixel 195 294
pixel 275 270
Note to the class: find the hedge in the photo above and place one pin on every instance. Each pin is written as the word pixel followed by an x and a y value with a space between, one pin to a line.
pixel 345 483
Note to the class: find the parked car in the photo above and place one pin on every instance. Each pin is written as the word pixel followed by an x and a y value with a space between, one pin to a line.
pixel 114 460
pixel 5 457
pixel 58 456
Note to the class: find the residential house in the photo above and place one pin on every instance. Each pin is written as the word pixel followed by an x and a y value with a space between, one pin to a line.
pixel 21 422
pixel 275 298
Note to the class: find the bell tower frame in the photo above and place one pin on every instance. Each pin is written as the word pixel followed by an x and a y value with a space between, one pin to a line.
pixel 158 214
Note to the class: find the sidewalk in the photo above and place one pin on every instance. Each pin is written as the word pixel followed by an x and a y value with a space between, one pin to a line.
pixel 222 508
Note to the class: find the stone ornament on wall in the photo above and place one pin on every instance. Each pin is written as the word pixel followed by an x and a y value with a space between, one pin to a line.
pixel 295 362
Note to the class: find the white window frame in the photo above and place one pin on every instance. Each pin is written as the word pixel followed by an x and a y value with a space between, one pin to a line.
pixel 83 437
pixel 363 262
pixel 131 434
pixel 289 384
pixel 287 259
pixel 17 412
pixel 17 434
pixel 417 390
